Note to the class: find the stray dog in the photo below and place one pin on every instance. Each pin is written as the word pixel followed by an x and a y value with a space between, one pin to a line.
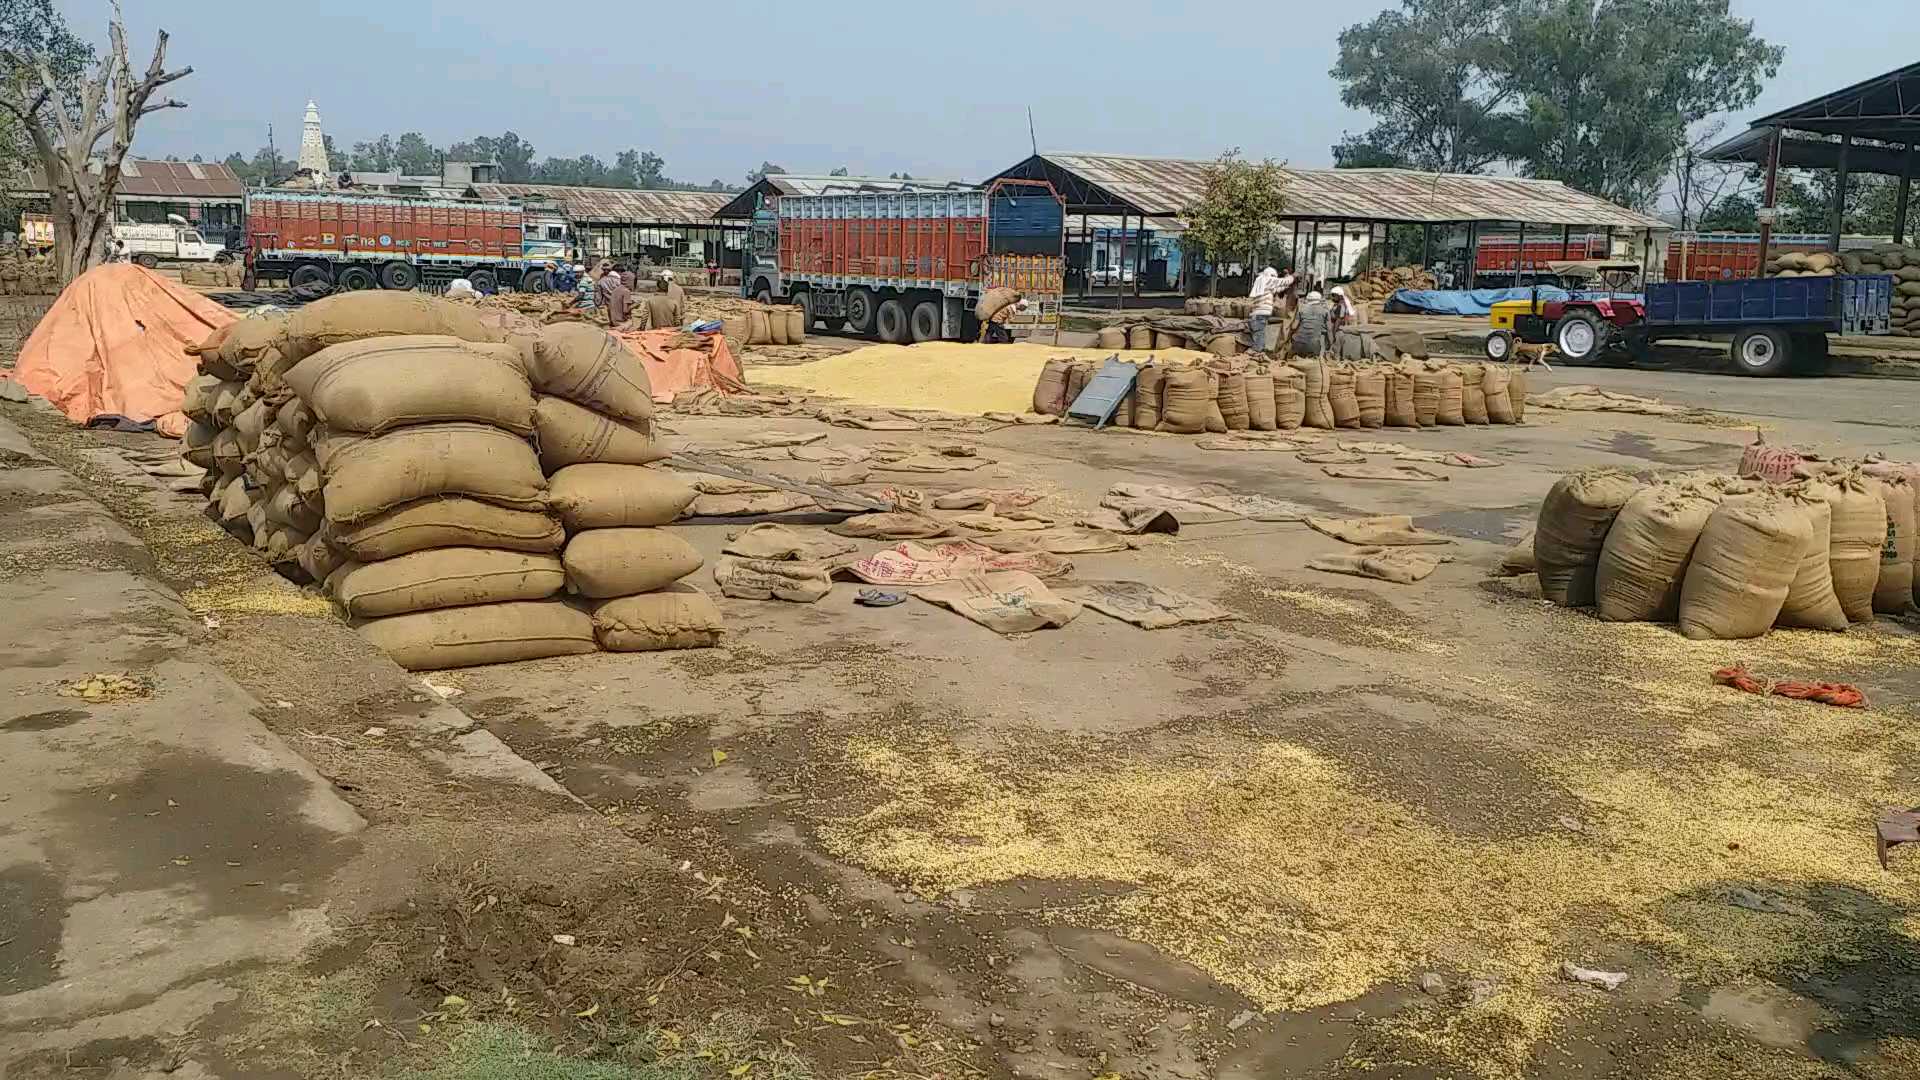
pixel 1534 354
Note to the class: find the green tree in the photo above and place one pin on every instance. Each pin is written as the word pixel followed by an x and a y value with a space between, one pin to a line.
pixel 841 171
pixel 767 168
pixel 1734 213
pixel 375 156
pixel 1609 90
pixel 1806 203
pixel 337 160
pixel 414 155
pixel 1426 72
pixel 1238 210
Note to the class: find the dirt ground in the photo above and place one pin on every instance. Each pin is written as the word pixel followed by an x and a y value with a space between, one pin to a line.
pixel 1356 832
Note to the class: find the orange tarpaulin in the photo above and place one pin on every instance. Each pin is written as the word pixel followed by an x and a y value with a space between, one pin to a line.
pixel 115 342
pixel 671 371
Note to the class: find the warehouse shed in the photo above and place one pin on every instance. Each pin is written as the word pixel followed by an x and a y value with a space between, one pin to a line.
pixel 1353 207
pixel 661 227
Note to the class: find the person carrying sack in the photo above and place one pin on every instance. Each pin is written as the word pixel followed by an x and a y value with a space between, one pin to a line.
pixel 1314 330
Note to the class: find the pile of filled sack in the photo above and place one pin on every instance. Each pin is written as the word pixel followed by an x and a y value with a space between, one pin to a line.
pixel 466 495
pixel 1252 393
pixel 1732 557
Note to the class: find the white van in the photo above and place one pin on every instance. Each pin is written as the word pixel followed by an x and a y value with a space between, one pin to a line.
pixel 175 241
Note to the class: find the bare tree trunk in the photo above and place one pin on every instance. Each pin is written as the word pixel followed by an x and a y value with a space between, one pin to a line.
pixel 66 125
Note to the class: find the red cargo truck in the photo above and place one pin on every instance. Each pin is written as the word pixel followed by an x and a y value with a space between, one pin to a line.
pixel 388 242
pixel 908 266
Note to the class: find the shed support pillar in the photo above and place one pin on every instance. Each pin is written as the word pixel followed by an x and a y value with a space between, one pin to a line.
pixel 1839 196
pixel 1473 252
pixel 1900 198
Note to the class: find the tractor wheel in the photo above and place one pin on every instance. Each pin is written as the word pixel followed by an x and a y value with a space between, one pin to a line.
pixel 1499 346
pixel 1580 337
pixel 1762 350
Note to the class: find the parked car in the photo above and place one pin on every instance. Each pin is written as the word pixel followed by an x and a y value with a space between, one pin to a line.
pixel 1113 275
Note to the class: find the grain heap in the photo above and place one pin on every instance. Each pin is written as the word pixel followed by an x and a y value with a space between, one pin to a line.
pixel 1730 558
pixel 384 444
pixel 1313 393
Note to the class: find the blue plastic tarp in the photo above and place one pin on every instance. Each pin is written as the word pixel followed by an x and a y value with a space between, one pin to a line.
pixel 1466 301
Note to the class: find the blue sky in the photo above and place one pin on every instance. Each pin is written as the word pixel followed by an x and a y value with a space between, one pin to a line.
pixel 718 86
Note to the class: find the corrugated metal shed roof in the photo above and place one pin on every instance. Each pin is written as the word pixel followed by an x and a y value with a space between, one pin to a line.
pixel 145 178
pixel 616 206
pixel 1167 186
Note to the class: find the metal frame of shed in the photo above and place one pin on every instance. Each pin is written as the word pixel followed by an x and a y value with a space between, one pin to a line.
pixel 628 218
pixel 1155 188
pixel 1884 109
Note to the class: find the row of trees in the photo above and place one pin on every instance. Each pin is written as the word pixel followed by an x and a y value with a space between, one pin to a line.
pixel 1605 95
pixel 412 153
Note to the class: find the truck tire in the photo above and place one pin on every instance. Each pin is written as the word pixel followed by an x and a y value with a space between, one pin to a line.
pixel 398 276
pixel 148 261
pixel 356 278
pixel 1762 350
pixel 483 282
pixel 804 301
pixel 535 281
pixel 1580 336
pixel 891 322
pixel 310 274
pixel 924 323
pixel 861 306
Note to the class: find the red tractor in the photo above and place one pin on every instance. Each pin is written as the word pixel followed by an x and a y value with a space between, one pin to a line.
pixel 1582 327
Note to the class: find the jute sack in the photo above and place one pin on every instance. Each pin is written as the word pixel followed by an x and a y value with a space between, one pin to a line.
pixel 295 421
pixel 1318 412
pixel 993 300
pixel 1341 398
pixel 1216 419
pixel 569 434
pixel 250 422
pixel 318 558
pixel 1050 393
pixel 229 398
pixel 1399 394
pixel 227 455
pixel 1079 373
pixel 444 578
pixel 603 563
pixel 258 526
pixel 443 523
pixel 1811 603
pixel 777 328
pixel 1232 398
pixel 251 338
pixel 236 501
pixel 1452 398
pixel 1139 337
pixel 759 327
pixel 1741 570
pixel 1644 558
pixel 197 399
pixel 483 634
pixel 302 472
pixel 1146 396
pixel 737 329
pixel 1572 529
pixel 1289 397
pixel 383 383
pixel 1893 591
pixel 1496 381
pixel 1428 385
pixel 268 465
pixel 1517 394
pixel 588 366
pixel 602 496
pixel 1186 397
pixel 796 326
pixel 1163 341
pixel 1261 412
pixel 351 316
pixel 376 474
pixel 1473 399
pixel 197 444
pixel 285 508
pixel 1370 394
pixel 1111 337
pixel 679 617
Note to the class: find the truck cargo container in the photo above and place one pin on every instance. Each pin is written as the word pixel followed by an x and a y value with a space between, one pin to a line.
pixel 910 266
pixel 388 242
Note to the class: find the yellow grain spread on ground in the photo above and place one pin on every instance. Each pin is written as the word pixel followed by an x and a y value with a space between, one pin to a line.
pixel 955 376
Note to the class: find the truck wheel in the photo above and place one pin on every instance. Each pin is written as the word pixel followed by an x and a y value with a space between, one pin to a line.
pixel 1579 336
pixel 925 322
pixel 861 306
pixel 398 276
pixel 356 278
pixel 892 322
pixel 148 261
pixel 310 274
pixel 1499 346
pixel 804 301
pixel 535 281
pixel 1762 350
pixel 483 282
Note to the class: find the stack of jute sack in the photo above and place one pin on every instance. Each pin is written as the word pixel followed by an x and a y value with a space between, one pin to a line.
pixel 1253 393
pixel 1220 339
pixel 213 275
pixel 27 275
pixel 747 323
pixel 1726 557
pixel 398 450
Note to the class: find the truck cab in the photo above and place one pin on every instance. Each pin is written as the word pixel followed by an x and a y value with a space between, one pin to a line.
pixel 175 241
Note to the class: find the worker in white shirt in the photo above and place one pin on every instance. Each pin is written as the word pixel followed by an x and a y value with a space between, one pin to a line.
pixel 1267 287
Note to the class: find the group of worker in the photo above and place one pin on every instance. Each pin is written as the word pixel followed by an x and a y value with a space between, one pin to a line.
pixel 610 287
pixel 1313 320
